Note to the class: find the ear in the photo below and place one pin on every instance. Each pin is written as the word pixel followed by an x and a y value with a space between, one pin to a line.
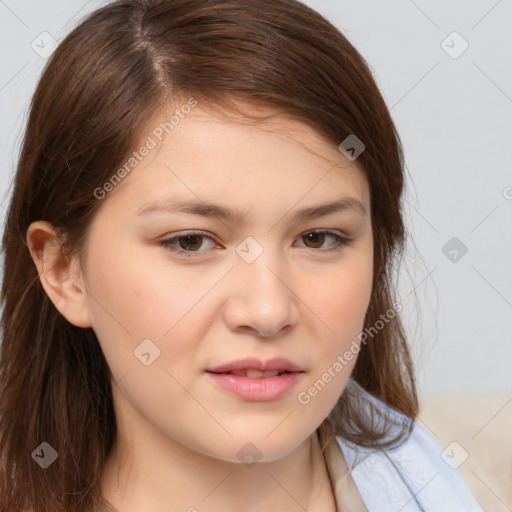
pixel 60 276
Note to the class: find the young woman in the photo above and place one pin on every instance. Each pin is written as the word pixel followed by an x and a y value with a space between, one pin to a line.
pixel 199 311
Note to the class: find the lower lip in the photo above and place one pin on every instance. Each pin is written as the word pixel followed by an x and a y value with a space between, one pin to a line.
pixel 259 389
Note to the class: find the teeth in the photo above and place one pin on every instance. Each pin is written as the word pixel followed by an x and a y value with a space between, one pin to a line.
pixel 254 374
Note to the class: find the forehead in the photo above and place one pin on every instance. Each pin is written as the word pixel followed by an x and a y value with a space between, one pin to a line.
pixel 205 153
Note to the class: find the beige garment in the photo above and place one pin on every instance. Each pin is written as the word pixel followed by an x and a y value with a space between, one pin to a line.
pixel 344 488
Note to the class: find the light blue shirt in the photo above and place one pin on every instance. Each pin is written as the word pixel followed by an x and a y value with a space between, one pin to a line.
pixel 411 478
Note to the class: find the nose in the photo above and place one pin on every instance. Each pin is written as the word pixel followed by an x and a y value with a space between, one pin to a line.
pixel 262 299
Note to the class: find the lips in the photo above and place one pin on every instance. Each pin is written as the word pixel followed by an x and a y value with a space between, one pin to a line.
pixel 254 368
pixel 256 381
pixel 255 374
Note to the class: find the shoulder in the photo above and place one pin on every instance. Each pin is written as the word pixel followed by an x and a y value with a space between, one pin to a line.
pixel 411 477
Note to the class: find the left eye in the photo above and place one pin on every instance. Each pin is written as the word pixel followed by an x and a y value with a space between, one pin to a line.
pixel 320 236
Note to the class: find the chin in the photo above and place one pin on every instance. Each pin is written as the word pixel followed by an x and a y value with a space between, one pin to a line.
pixel 249 450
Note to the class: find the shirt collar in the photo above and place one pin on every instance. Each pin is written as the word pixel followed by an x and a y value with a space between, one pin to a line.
pixel 347 496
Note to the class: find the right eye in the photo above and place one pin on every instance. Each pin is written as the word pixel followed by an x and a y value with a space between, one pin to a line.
pixel 186 244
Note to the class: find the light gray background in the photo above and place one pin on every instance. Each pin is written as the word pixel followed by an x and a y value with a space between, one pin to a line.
pixel 454 116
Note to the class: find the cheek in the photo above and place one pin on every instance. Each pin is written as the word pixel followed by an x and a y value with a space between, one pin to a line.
pixel 136 302
pixel 341 299
pixel 340 303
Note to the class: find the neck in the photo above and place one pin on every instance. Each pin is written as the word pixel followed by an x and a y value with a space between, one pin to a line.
pixel 154 473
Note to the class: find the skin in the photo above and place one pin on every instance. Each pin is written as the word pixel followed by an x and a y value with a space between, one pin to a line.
pixel 178 432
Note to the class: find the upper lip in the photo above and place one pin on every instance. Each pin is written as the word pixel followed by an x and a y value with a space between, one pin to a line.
pixel 277 363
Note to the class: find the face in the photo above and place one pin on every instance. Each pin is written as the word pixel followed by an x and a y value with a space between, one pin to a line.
pixel 213 249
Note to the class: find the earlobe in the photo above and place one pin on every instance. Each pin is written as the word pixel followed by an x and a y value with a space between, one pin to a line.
pixel 60 275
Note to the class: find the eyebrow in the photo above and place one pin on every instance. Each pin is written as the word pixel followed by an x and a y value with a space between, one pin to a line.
pixel 212 210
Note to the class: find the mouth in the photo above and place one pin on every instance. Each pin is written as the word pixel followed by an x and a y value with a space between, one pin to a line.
pixel 254 380
pixel 253 373
pixel 253 367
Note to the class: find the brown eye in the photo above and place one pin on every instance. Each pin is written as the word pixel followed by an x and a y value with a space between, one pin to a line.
pixel 314 238
pixel 190 242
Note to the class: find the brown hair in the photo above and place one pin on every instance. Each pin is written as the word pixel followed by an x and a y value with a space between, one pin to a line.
pixel 101 86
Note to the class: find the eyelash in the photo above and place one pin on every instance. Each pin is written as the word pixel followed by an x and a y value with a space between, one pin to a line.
pixel 340 242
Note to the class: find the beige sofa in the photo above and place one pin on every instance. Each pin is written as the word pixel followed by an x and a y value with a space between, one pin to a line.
pixel 475 433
